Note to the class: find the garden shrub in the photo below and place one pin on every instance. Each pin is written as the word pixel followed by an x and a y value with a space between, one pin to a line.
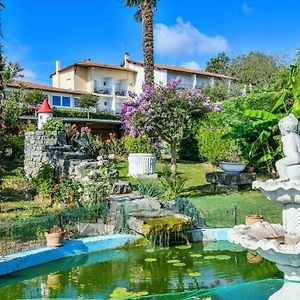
pixel 140 144
pixel 173 184
pixel 149 188
pixel 212 145
pixel 53 125
pixel 73 113
pixel 16 143
pixel 45 180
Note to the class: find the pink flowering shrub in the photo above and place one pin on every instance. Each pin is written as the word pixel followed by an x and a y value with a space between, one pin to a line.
pixel 163 112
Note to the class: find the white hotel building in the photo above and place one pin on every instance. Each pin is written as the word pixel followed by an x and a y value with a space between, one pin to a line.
pixel 112 83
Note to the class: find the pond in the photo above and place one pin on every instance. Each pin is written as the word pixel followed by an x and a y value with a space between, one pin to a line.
pixel 217 270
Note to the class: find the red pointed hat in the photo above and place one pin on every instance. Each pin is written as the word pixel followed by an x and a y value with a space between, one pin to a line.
pixel 45 107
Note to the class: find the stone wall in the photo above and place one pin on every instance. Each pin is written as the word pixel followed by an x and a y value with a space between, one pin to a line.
pixel 41 149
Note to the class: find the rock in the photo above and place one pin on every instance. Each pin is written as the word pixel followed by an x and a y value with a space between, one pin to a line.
pixel 94 229
pixel 121 187
pixel 230 182
pixel 144 204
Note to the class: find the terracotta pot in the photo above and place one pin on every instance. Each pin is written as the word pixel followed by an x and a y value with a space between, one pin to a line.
pixel 249 169
pixel 254 258
pixel 251 219
pixel 54 239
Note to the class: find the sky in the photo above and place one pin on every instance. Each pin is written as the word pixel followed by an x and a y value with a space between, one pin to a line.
pixel 187 33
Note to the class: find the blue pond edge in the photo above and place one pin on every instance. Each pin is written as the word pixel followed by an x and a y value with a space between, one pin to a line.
pixel 37 256
pixel 41 255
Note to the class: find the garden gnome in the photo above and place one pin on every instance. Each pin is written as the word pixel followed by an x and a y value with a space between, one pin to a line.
pixel 44 113
pixel 291 147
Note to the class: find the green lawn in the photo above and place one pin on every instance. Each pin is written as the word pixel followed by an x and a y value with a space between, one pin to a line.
pixel 218 209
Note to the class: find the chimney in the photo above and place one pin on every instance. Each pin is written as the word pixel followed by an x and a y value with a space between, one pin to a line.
pixel 57 65
pixel 126 58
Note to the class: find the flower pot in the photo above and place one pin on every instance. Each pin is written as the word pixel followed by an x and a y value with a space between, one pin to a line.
pixel 141 164
pixel 232 167
pixel 54 239
pixel 251 219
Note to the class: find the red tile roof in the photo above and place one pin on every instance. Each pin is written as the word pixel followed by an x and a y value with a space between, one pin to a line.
pixel 90 64
pixel 177 69
pixel 31 85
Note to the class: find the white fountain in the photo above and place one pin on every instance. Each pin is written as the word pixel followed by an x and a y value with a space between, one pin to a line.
pixel 276 242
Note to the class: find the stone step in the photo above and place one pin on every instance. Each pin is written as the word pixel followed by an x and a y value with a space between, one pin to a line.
pixel 74 155
pixel 65 148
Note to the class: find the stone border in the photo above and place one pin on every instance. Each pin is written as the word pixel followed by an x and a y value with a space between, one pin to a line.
pixel 41 255
pixel 37 256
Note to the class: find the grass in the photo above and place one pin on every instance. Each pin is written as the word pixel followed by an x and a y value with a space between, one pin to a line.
pixel 218 210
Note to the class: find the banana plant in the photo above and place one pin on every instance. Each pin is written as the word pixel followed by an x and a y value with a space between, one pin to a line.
pixel 260 130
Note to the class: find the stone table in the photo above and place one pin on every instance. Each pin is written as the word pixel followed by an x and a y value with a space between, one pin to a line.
pixel 227 181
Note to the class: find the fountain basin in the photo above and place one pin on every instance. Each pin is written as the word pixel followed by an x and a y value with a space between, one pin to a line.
pixel 283 192
pixel 269 240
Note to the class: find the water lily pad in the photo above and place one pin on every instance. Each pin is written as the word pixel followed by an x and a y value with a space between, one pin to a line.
pixel 199 262
pixel 123 293
pixel 195 274
pixel 223 257
pixel 150 259
pixel 196 255
pixel 173 261
pixel 209 257
pixel 183 247
pixel 181 264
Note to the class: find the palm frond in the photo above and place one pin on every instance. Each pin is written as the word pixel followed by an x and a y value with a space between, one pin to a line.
pixel 138 16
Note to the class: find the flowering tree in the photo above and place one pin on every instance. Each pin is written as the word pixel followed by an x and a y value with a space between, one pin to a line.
pixel 163 112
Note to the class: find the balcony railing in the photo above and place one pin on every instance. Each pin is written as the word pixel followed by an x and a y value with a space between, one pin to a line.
pixel 185 86
pixel 103 90
pixel 121 92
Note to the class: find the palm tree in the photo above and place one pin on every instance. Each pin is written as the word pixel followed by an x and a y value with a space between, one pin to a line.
pixel 1 57
pixel 144 14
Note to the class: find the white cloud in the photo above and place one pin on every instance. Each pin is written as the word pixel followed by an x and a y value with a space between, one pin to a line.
pixel 185 39
pixel 28 74
pixel 191 65
pixel 247 9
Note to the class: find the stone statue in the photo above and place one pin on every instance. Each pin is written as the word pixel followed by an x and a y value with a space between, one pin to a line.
pixel 289 166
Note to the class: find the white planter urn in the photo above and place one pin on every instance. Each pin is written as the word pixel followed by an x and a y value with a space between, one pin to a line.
pixel 232 167
pixel 141 164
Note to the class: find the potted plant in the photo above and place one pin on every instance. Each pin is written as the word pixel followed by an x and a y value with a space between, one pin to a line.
pixel 141 159
pixel 55 237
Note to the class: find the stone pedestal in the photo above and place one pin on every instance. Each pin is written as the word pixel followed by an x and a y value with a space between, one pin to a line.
pixel 226 181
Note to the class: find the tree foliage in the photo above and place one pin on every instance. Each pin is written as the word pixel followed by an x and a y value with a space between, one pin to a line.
pixel 257 69
pixel 164 112
pixel 86 101
pixel 219 64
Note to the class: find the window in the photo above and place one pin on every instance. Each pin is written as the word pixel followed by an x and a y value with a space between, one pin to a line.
pixel 76 102
pixel 56 101
pixel 105 103
pixel 104 83
pixel 66 101
pixel 68 83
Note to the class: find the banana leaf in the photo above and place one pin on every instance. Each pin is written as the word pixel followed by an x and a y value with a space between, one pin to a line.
pixel 261 115
pixel 281 101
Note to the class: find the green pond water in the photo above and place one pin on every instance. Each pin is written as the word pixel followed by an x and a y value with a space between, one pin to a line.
pixel 216 270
